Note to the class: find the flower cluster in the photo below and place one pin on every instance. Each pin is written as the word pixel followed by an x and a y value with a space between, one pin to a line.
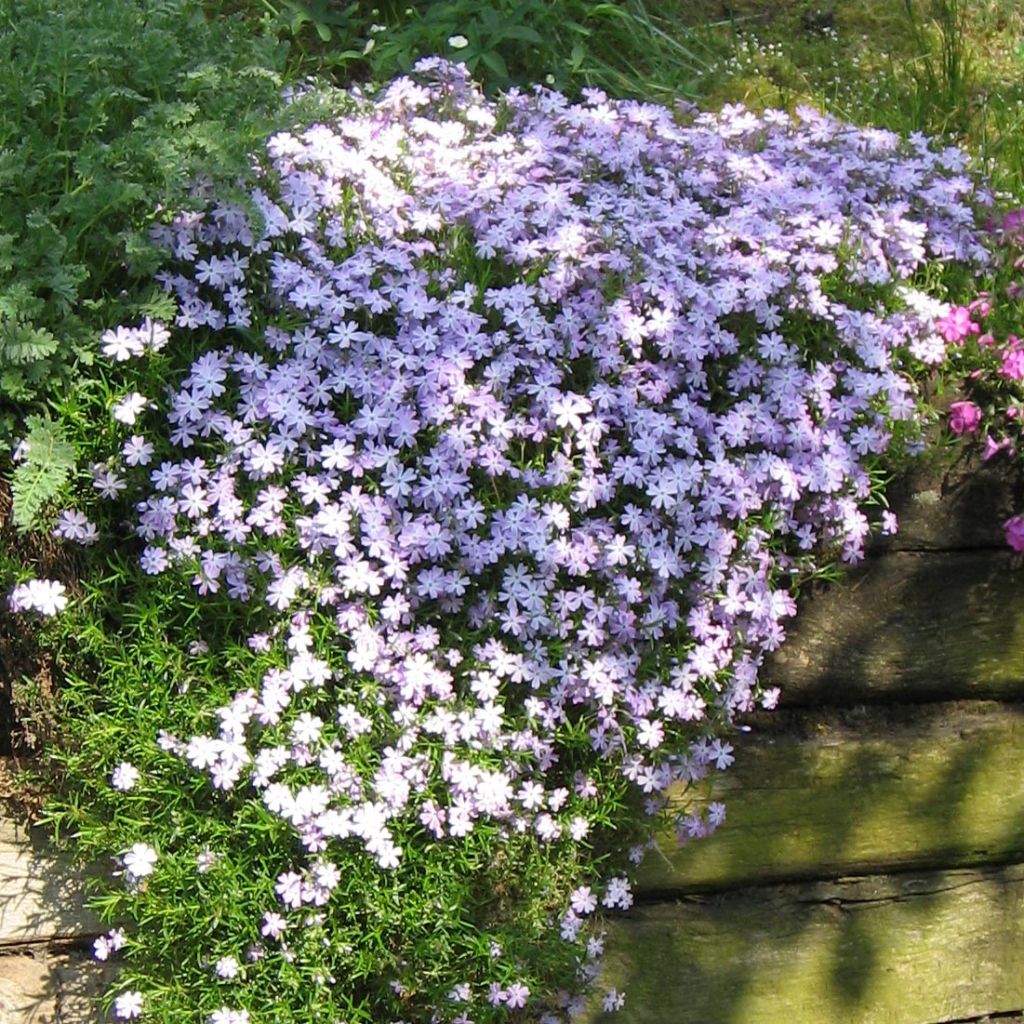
pixel 988 360
pixel 518 420
pixel 48 597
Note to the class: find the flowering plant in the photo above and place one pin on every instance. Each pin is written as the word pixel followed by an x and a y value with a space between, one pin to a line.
pixel 506 431
pixel 986 358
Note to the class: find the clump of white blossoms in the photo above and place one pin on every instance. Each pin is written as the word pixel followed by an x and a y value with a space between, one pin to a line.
pixel 47 597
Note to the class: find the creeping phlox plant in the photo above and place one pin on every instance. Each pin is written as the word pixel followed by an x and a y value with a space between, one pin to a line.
pixel 988 359
pixel 511 426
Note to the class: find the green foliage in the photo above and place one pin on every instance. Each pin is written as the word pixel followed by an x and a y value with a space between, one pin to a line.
pixel 621 47
pixel 48 461
pixel 148 655
pixel 111 109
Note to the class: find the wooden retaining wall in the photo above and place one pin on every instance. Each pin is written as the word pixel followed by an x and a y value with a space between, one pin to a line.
pixel 871 867
pixel 47 975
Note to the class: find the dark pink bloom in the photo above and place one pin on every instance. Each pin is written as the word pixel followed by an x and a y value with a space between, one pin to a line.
pixel 981 306
pixel 1014 529
pixel 964 417
pixel 1013 222
pixel 993 447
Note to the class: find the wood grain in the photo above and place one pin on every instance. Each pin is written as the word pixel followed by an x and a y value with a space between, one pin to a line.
pixel 945 504
pixel 37 987
pixel 905 949
pixel 42 896
pixel 909 626
pixel 815 795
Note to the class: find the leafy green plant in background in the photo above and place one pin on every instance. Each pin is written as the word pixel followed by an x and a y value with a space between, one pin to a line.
pixel 46 459
pixel 111 109
pixel 626 47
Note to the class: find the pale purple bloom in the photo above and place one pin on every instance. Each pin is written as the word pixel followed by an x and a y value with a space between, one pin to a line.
pixel 75 526
pixel 274 925
pixel 575 456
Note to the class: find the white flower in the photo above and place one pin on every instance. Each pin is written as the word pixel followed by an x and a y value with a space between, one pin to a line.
pixel 128 409
pixel 458 42
pixel 121 344
pixel 124 776
pixel 139 861
pixel 128 1005
pixel 44 596
pixel 206 860
pixel 226 967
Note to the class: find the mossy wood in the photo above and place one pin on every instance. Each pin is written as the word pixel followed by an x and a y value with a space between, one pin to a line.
pixel 909 626
pixel 904 949
pixel 952 506
pixel 817 795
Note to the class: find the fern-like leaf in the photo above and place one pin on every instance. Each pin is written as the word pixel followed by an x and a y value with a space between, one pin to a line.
pixel 49 460
pixel 22 343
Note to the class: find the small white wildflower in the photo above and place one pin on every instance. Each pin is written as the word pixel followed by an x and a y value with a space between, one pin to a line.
pixel 226 967
pixel 613 1001
pixel 128 1005
pixel 139 861
pixel 124 776
pixel 44 596
pixel 205 860
pixel 127 410
pixel 458 42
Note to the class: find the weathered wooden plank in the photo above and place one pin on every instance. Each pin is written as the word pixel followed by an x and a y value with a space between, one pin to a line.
pixel 816 795
pixel 911 949
pixel 37 987
pixel 909 626
pixel 42 896
pixel 944 504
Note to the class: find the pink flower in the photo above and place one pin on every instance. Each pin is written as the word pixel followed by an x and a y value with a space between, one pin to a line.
pixel 1014 529
pixel 964 417
pixel 1013 222
pixel 956 325
pixel 1013 360
pixel 993 447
